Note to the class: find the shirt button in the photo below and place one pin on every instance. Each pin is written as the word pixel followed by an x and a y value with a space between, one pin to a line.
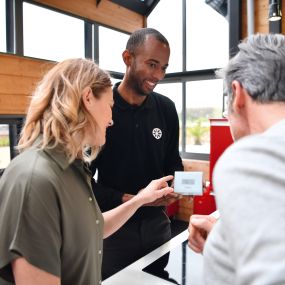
pixel 100 251
pixel 97 222
pixel 90 199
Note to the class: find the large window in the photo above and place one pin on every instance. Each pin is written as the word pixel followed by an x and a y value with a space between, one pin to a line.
pixel 167 18
pixel 111 46
pixel 2 26
pixel 202 48
pixel 51 35
pixel 208 104
pixel 10 127
pixel 198 36
pixel 4 146
pixel 207 36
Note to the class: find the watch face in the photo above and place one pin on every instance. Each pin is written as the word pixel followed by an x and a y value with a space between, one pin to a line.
pixel 183 266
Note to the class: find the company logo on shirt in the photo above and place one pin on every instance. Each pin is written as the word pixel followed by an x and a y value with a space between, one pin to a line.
pixel 157 133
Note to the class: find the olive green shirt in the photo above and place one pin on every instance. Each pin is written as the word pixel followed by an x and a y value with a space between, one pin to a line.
pixel 48 214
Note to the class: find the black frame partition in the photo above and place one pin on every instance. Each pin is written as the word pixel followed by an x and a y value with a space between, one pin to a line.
pixel 275 27
pixel 234 17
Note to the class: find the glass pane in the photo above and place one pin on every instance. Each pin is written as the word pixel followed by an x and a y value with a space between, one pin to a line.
pixel 161 18
pixel 204 101
pixel 2 26
pixel 174 92
pixel 4 146
pixel 115 80
pixel 51 35
pixel 207 36
pixel 110 54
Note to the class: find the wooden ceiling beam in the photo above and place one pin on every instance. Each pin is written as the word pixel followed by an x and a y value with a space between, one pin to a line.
pixel 106 13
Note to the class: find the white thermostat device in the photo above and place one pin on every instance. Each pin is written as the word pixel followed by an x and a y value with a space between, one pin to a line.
pixel 188 182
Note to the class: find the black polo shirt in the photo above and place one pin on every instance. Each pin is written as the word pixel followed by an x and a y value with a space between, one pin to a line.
pixel 142 145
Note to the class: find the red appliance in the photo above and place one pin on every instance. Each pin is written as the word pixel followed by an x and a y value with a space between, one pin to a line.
pixel 172 209
pixel 220 139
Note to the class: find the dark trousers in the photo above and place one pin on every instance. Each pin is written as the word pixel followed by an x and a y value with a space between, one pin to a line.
pixel 134 240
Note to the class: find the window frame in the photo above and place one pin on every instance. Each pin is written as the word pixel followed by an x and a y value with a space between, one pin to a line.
pixel 15 123
pixel 14 42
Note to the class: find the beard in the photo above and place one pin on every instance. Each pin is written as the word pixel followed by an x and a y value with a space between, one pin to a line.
pixel 136 81
pixel 136 84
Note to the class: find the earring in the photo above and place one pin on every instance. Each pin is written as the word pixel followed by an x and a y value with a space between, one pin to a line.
pixel 111 123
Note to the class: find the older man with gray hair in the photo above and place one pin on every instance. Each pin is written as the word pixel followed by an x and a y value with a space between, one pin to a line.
pixel 246 245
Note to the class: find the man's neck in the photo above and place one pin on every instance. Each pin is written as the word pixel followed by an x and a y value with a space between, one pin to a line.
pixel 265 116
pixel 129 95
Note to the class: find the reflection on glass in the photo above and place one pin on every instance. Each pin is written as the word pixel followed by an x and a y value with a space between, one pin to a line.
pixel 204 100
pixel 174 92
pixel 160 19
pixel 4 146
pixel 2 26
pixel 51 35
pixel 111 46
pixel 207 36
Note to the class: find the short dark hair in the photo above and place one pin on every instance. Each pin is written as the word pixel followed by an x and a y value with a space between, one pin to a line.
pixel 138 37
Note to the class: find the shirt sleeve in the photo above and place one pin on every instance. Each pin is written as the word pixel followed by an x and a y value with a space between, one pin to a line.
pixel 30 219
pixel 249 181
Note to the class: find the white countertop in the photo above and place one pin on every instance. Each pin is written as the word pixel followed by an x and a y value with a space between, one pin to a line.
pixel 134 275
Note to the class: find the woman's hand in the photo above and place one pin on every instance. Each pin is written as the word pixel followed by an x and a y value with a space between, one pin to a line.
pixel 156 190
pixel 165 200
pixel 116 217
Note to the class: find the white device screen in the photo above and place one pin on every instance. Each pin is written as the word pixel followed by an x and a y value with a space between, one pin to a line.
pixel 188 183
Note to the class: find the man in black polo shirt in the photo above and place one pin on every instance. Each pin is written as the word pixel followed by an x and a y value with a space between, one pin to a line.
pixel 141 146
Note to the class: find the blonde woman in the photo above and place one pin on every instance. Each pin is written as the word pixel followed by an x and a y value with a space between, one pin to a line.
pixel 51 226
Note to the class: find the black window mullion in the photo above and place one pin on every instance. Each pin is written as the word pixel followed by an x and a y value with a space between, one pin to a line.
pixel 10 27
pixel 88 39
pixel 184 60
pixel 19 31
pixel 275 27
pixel 234 12
pixel 183 127
pixel 96 42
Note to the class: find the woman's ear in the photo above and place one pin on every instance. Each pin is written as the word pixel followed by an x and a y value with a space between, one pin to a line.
pixel 87 97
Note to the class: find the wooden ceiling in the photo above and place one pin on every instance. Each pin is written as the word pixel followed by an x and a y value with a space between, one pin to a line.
pixel 104 12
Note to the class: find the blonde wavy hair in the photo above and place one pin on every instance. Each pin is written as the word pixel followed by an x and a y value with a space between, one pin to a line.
pixel 56 116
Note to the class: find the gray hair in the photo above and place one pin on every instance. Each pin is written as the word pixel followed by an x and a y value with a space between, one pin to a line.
pixel 259 67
